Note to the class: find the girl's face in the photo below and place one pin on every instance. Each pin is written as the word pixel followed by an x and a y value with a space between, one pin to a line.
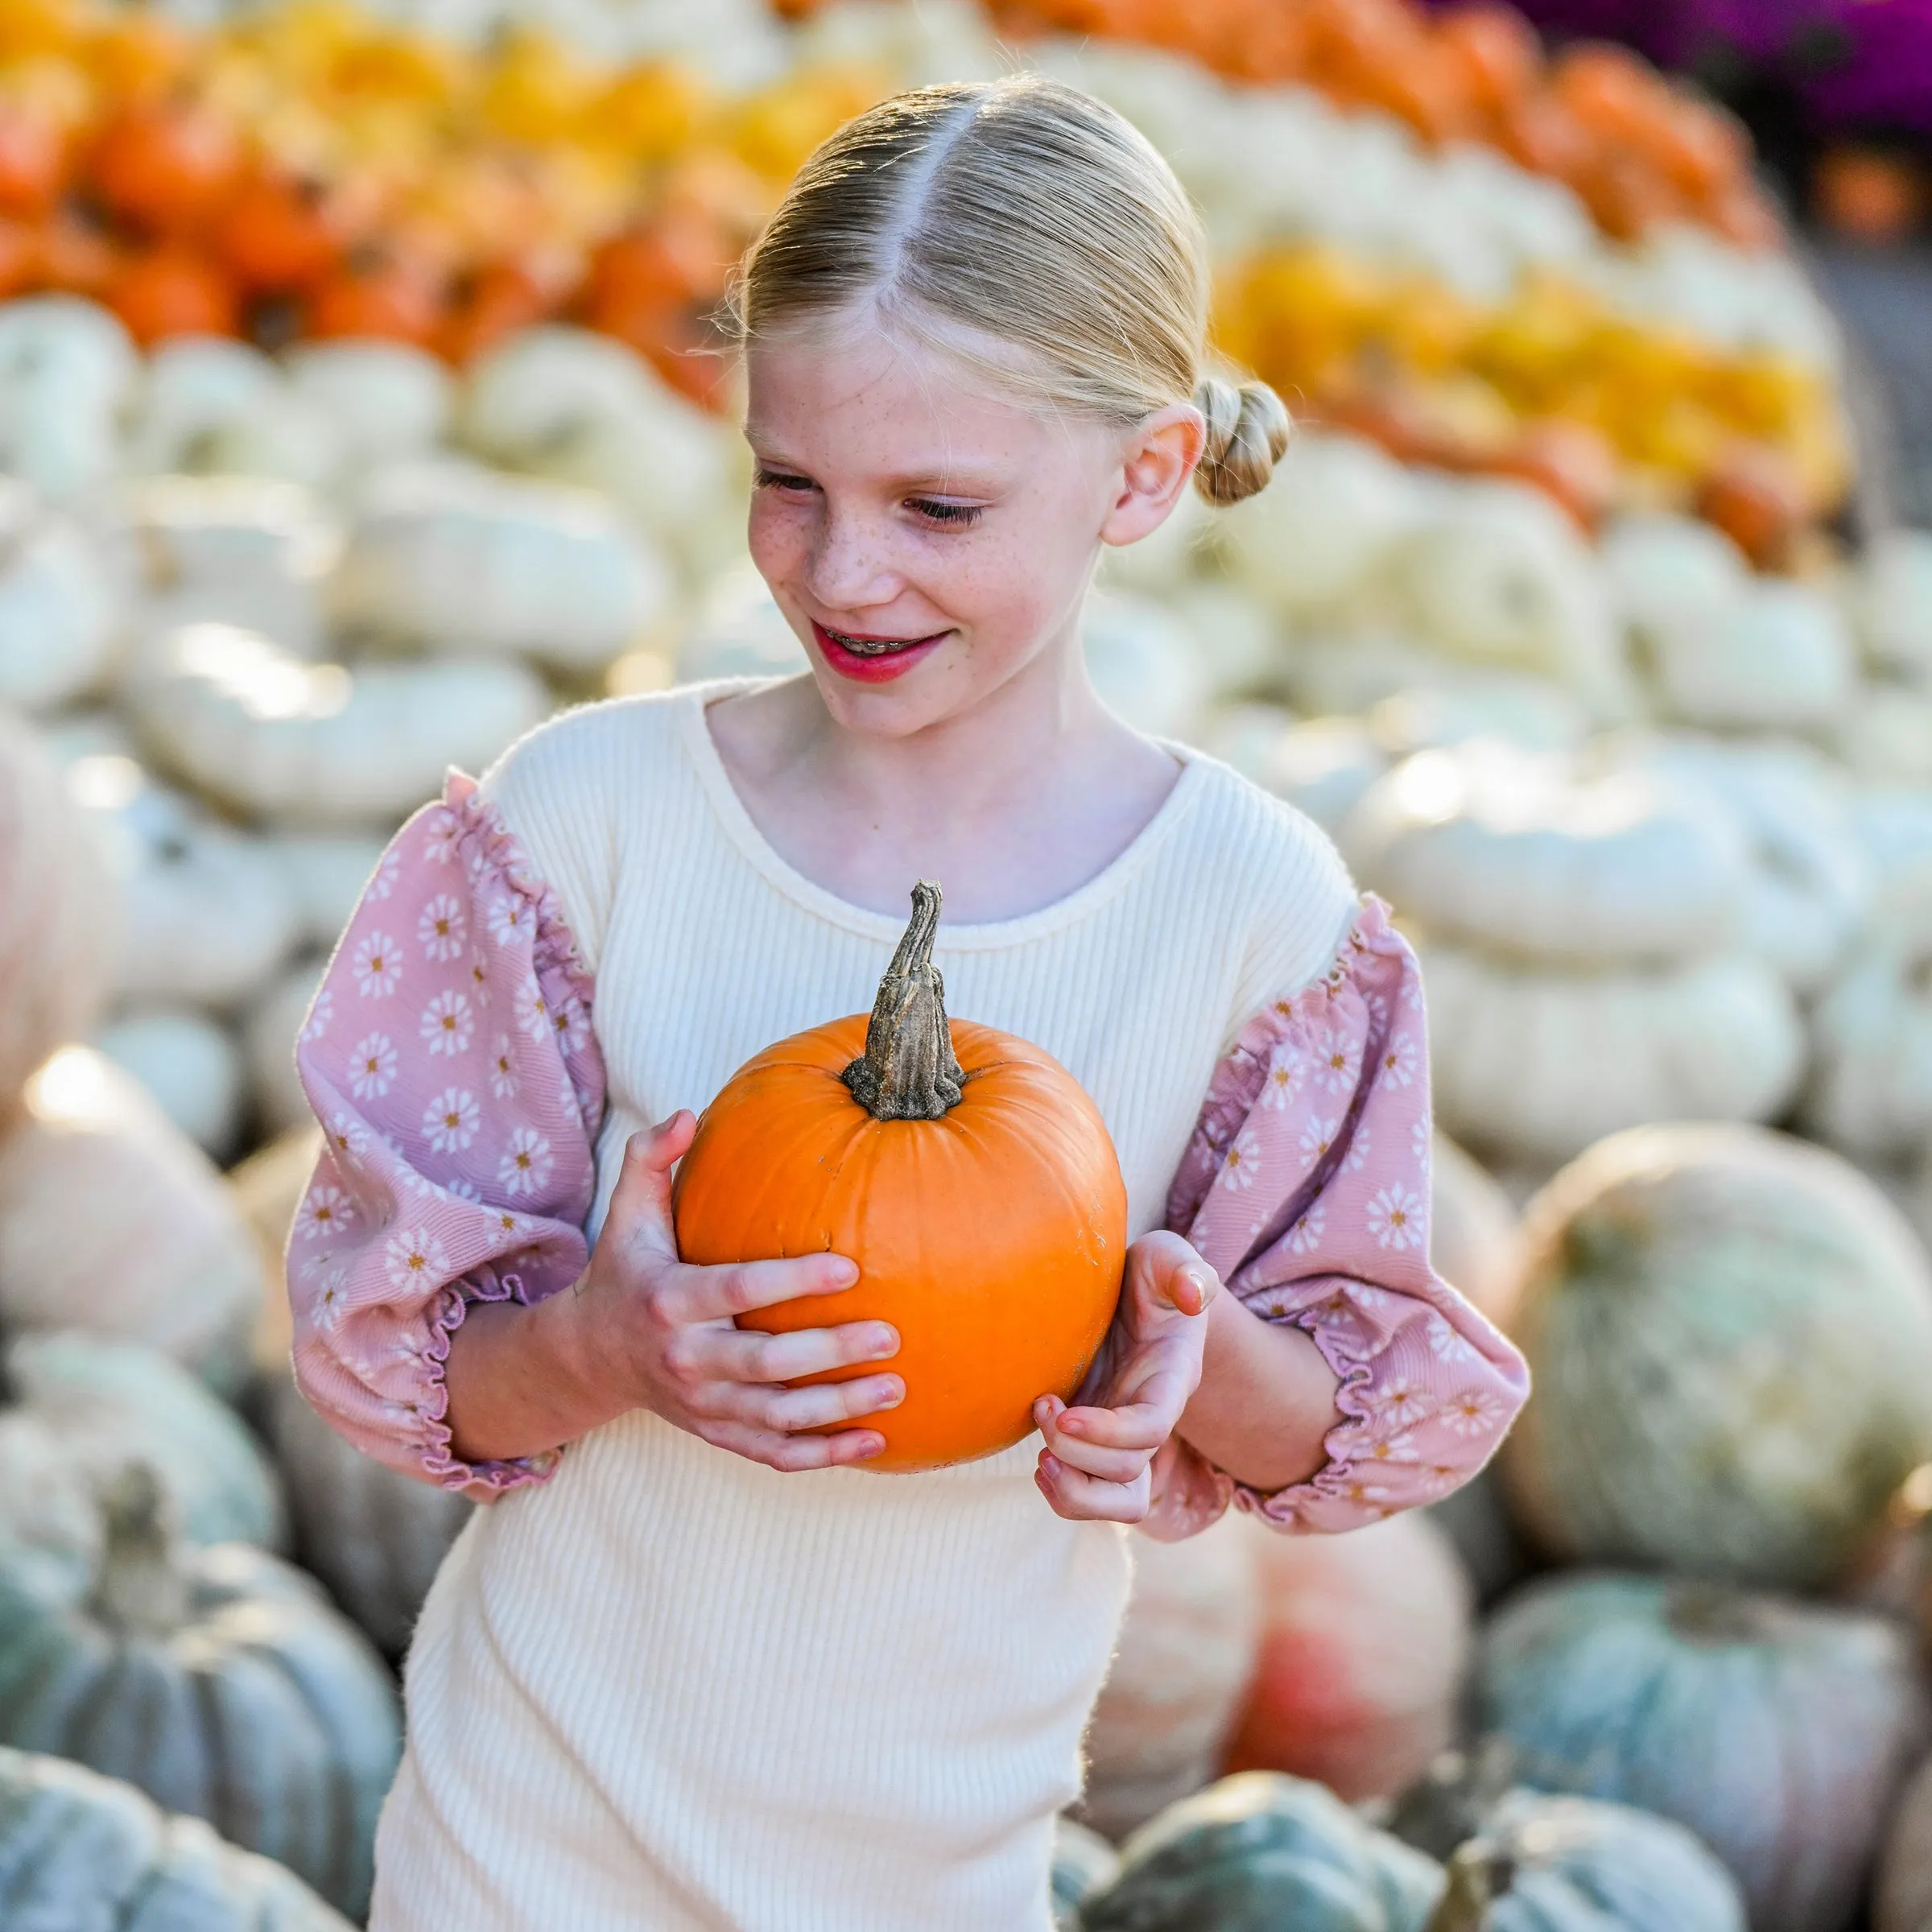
pixel 927 540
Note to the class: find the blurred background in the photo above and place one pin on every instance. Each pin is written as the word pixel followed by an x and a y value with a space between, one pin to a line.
pixel 358 409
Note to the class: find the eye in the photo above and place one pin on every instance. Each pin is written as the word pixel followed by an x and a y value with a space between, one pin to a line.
pixel 779 479
pixel 954 514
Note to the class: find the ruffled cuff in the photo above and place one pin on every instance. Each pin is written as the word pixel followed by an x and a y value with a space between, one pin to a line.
pixel 1307 1187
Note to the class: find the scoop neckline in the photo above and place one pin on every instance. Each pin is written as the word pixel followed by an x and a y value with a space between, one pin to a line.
pixel 979 935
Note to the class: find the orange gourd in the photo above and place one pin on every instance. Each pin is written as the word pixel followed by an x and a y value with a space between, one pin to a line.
pixel 965 1171
pixel 1496 52
pixel 381 297
pixel 498 300
pixel 166 166
pixel 282 232
pixel 171 291
pixel 33 160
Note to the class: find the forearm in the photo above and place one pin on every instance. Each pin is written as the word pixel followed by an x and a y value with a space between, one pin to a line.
pixel 522 1379
pixel 1266 1399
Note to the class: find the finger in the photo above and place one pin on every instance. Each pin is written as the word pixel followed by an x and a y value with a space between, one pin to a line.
pixel 1090 1459
pixel 716 1353
pixel 1082 1498
pixel 793 1453
pixel 784 1411
pixel 640 1203
pixel 695 1295
pixel 1167 1270
pixel 1138 1427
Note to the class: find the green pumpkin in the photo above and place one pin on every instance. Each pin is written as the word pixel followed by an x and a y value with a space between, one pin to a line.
pixel 1778 1731
pixel 1526 1861
pixel 1730 1334
pixel 374 1536
pixel 108 1403
pixel 1261 1851
pixel 1082 1862
pixel 219 1681
pixel 83 1853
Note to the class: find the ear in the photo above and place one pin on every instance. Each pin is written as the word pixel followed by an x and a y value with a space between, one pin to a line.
pixel 1157 460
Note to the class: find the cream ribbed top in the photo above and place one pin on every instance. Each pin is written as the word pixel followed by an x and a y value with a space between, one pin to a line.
pixel 673 1689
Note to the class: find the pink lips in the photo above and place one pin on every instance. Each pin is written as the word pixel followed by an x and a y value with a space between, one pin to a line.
pixel 873 670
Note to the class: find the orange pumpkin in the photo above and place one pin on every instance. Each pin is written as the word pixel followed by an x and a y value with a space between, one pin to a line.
pixel 1869 194
pixel 498 300
pixel 33 160
pixel 171 290
pixel 283 233
pixel 1753 495
pixel 1496 52
pixel 379 296
pixel 166 166
pixel 72 254
pixel 19 257
pixel 965 1171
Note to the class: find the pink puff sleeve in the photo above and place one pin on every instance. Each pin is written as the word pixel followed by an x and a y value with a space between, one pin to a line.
pixel 449 1057
pixel 1306 1186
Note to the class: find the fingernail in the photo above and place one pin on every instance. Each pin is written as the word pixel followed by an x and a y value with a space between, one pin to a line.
pixel 1050 1463
pixel 892 1399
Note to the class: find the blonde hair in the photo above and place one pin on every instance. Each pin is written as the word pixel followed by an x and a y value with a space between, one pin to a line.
pixel 1025 212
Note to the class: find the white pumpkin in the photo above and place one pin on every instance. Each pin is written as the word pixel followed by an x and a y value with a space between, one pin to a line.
pixel 1672 576
pixel 1245 735
pixel 1886 735
pixel 192 1066
pixel 191 389
pixel 1323 767
pixel 294 437
pixel 1870 1087
pixel 534 394
pixel 1893 827
pixel 1144 664
pixel 247 550
pixel 269 1031
pixel 1237 640
pixel 1498 575
pixel 1783 660
pixel 501 567
pixel 739 632
pixel 1331 515
pixel 386 399
pixel 1889 596
pixel 67 369
pixel 1185 1652
pixel 1807 883
pixel 1527 854
pixel 204 918
pixel 681 474
pixel 61 605
pixel 1338 670
pixel 1533 1062
pixel 326 873
pixel 1528 712
pixel 113 1220
pixel 57 932
pixel 318 744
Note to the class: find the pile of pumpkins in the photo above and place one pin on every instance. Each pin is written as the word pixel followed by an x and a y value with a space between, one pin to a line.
pixel 315 171
pixel 1678 1630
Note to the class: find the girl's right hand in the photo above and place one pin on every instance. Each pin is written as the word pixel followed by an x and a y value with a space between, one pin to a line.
pixel 661 1330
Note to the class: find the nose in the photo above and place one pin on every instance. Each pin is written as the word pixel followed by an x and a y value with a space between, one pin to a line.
pixel 849 566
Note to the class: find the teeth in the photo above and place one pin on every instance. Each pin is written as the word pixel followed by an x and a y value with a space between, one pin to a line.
pixel 871 647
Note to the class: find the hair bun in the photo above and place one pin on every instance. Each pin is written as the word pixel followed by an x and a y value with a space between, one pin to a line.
pixel 1247 433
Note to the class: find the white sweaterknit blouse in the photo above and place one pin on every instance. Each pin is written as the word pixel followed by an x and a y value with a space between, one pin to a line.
pixel 671 1689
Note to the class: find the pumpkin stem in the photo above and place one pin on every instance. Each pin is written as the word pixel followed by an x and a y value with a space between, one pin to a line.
pixel 141 1590
pixel 908 1071
pixel 1480 1871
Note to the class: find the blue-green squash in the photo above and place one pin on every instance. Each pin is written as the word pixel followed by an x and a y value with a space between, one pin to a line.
pixel 219 1681
pixel 1778 1731
pixel 1261 1851
pixel 1730 1333
pixel 79 1853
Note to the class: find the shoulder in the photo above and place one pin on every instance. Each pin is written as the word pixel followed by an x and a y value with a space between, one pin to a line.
pixel 1283 892
pixel 577 757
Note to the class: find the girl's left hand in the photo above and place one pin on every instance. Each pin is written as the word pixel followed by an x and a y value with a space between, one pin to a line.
pixel 1096 1461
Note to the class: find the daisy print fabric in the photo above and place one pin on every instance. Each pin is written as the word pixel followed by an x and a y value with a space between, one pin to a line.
pixel 1307 1187
pixel 449 1056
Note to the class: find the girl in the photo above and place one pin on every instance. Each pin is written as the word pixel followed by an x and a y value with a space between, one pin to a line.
pixel 693 1667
